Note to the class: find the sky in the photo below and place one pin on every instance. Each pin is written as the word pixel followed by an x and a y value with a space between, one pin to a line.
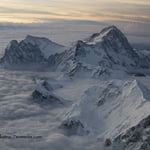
pixel 31 11
pixel 131 16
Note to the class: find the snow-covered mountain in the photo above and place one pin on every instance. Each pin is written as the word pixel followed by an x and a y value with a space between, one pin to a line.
pixel 32 50
pixel 136 138
pixel 111 108
pixel 20 53
pixel 101 53
pixel 112 45
pixel 46 46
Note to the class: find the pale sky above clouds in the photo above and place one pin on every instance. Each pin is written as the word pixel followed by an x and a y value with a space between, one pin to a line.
pixel 29 11
pixel 75 18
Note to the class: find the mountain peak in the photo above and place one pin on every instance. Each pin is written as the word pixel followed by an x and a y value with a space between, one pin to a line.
pixel 30 50
pixel 110 34
pixel 34 39
pixel 46 46
pixel 98 37
pixel 29 36
pixel 110 28
pixel 12 43
pixel 112 31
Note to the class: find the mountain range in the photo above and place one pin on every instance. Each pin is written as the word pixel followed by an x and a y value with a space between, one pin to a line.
pixel 100 53
pixel 99 85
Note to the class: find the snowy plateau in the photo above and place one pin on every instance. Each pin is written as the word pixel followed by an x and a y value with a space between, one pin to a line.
pixel 94 95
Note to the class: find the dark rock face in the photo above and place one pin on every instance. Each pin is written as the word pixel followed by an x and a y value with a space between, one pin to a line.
pixel 72 124
pixel 116 46
pixel 136 138
pixel 17 53
pixel 110 91
pixel 112 35
pixel 107 143
pixel 55 60
pixel 115 36
pixel 80 49
pixel 140 75
pixel 73 127
pixel 46 85
pixel 40 98
pixel 43 94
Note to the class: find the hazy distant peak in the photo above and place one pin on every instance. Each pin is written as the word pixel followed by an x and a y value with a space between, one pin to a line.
pixel 30 38
pixel 46 46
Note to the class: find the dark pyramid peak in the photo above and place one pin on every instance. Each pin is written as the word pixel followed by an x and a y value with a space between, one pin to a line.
pixel 104 32
pixel 111 35
pixel 110 29
pixel 109 46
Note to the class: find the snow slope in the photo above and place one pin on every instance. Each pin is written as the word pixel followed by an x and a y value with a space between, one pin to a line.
pixel 110 108
pixel 47 47
pixel 136 138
